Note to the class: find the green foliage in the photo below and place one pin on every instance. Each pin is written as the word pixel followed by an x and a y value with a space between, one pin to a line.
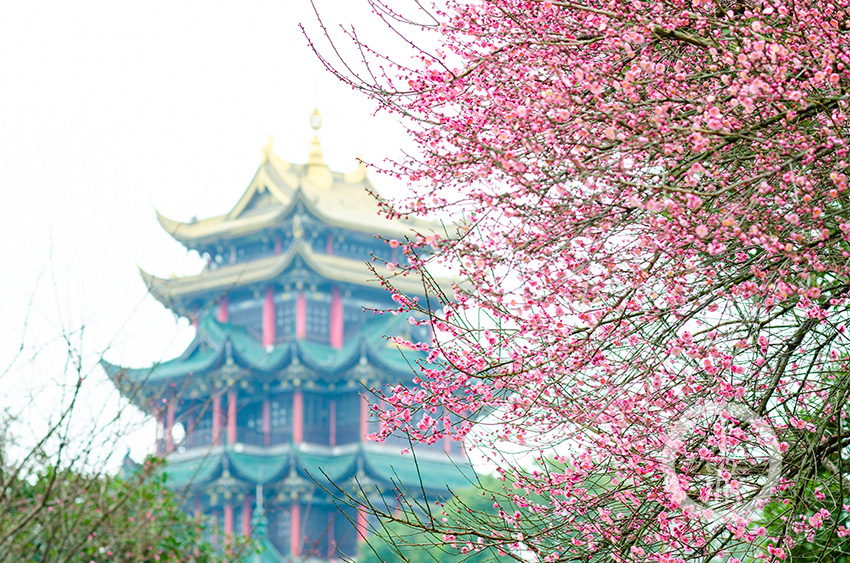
pixel 62 515
pixel 397 543
pixel 404 539
pixel 820 511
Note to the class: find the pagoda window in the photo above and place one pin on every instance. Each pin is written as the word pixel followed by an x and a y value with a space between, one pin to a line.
pixel 318 321
pixel 238 519
pixel 352 318
pixel 284 318
pixel 347 418
pixel 198 427
pixel 215 529
pixel 383 252
pixel 279 528
pixel 353 249
pixel 249 315
pixel 320 526
pixel 362 249
pixel 250 429
pixel 317 418
pixel 344 536
pixel 329 532
pixel 254 250
pixel 280 418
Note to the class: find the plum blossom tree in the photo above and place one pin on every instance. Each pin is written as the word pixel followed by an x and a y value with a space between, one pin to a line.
pixel 654 225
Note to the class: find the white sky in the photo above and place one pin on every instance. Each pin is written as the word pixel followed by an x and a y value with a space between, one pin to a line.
pixel 111 109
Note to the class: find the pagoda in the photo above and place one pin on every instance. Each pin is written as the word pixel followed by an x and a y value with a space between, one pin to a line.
pixel 265 417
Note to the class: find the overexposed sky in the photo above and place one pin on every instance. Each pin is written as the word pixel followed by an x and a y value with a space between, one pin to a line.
pixel 109 110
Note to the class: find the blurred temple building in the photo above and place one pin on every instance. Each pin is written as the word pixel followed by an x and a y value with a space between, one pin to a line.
pixel 268 409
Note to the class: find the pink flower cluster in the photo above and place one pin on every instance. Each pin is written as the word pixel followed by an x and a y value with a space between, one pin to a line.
pixel 651 214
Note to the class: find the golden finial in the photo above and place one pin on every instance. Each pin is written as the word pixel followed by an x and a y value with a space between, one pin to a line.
pixel 267 150
pixel 315 119
pixel 317 171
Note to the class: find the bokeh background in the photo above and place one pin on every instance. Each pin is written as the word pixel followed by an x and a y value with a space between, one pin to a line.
pixel 109 110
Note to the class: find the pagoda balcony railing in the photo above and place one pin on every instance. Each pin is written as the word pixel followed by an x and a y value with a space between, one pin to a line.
pixel 250 436
pixel 200 438
pixel 280 437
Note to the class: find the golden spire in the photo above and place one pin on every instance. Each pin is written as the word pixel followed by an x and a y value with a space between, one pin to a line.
pixel 317 170
pixel 315 154
pixel 316 120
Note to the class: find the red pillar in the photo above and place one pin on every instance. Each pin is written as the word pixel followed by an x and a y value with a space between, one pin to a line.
pixel 297 417
pixel 331 543
pixel 216 420
pixel 336 319
pixel 301 316
pixel 268 318
pixel 169 426
pixel 267 422
pixel 246 516
pixel 278 244
pixel 332 423
pixel 228 524
pixel 224 308
pixel 329 244
pixel 364 418
pixel 231 416
pixel 295 530
pixel 361 523
pixel 447 444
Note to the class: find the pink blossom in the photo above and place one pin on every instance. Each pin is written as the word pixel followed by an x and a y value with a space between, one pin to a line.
pixel 648 210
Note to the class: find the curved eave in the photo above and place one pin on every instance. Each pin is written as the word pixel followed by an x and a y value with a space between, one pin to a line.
pixel 394 360
pixel 214 229
pixel 339 216
pixel 141 385
pixel 194 472
pixel 213 283
pixel 384 465
pixel 326 468
pixel 139 395
pixel 328 363
pixel 435 473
